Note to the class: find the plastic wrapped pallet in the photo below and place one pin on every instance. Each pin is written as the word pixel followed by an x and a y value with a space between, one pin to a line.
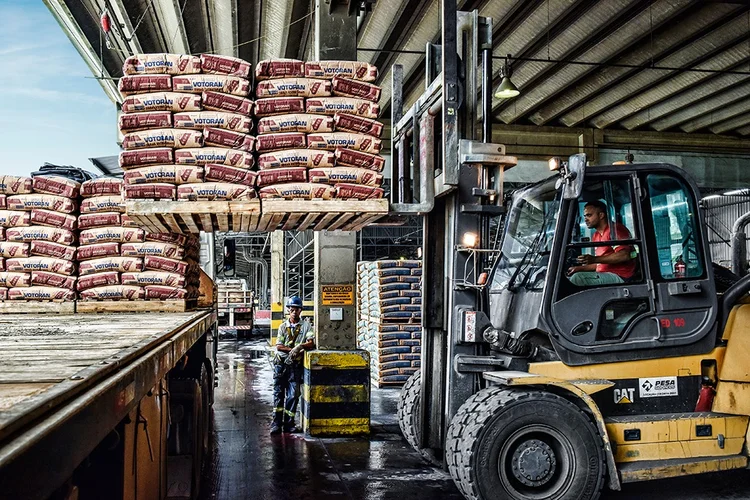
pixel 389 318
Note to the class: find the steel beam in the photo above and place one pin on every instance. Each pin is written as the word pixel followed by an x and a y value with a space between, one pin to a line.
pixel 582 84
pixel 275 18
pixel 175 36
pixel 223 16
pixel 125 26
pixel 539 143
pixel 76 36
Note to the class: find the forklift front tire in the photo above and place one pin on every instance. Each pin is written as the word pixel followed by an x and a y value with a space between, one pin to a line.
pixel 522 445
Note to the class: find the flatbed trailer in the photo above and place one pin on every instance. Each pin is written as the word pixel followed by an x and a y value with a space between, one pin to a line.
pixel 95 401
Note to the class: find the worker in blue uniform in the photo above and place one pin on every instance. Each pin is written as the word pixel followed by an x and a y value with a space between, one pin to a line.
pixel 293 338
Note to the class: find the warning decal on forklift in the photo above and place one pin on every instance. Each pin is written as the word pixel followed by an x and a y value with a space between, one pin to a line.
pixel 657 387
pixel 337 295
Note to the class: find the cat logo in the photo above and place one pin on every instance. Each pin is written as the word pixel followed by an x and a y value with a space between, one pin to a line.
pixel 624 396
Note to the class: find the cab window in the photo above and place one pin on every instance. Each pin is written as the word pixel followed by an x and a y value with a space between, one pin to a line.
pixel 675 228
pixel 616 224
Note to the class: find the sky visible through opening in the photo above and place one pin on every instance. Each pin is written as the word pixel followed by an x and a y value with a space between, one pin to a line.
pixel 51 108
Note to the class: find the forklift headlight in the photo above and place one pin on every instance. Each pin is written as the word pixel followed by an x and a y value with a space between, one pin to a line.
pixel 555 163
pixel 470 240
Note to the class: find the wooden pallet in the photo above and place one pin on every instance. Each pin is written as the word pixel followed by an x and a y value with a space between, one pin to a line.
pixel 36 307
pixel 319 215
pixel 195 216
pixel 115 306
pixel 256 215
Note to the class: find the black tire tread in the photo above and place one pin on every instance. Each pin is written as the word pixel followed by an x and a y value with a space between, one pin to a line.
pixel 408 408
pixel 471 418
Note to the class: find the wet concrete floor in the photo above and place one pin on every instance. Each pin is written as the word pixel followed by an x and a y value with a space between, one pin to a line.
pixel 248 463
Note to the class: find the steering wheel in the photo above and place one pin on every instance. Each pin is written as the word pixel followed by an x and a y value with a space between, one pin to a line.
pixel 571 257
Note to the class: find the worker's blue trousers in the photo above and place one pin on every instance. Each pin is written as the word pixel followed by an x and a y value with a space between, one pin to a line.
pixel 287 383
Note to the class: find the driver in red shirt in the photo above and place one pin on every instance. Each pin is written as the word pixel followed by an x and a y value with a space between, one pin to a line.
pixel 610 265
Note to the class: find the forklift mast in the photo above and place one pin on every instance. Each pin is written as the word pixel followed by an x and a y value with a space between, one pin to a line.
pixel 441 170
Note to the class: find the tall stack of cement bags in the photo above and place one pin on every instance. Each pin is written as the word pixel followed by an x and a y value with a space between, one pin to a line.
pixel 389 318
pixel 38 233
pixel 317 137
pixel 186 122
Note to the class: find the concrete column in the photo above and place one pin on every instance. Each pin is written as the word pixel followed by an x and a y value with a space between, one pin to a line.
pixel 335 269
pixel 336 389
pixel 278 249
pixel 335 32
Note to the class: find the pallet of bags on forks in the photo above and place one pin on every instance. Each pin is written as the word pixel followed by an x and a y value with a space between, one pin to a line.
pixel 184 118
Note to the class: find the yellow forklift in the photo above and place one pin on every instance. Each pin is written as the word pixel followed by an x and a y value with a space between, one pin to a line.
pixel 538 382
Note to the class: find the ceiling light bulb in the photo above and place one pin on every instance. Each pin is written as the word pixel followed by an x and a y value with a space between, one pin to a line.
pixel 506 89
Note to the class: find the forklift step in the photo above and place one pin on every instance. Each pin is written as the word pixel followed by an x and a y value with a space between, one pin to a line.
pixel 661 469
pixel 676 436
pixel 659 417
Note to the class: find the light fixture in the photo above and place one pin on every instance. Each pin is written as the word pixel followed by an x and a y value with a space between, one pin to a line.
pixel 555 163
pixel 470 240
pixel 506 89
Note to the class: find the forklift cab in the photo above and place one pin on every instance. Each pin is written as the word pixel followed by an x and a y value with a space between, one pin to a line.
pixel 667 305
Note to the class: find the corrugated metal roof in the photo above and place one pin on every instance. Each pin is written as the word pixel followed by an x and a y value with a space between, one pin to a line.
pixel 657 65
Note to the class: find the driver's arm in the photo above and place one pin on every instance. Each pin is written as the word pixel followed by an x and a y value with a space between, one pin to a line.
pixel 579 269
pixel 619 256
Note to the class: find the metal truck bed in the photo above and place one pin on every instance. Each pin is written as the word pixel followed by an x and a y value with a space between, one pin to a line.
pixel 67 380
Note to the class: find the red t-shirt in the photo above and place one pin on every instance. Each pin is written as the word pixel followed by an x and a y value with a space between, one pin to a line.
pixel 624 270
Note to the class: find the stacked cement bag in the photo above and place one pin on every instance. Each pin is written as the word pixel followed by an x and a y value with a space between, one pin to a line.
pixel 170 266
pixel 104 227
pixel 120 261
pixel 38 247
pixel 186 123
pixel 317 137
pixel 389 318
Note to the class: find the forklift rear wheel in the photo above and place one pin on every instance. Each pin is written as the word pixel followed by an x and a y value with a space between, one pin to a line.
pixel 524 445
pixel 408 409
pixel 409 418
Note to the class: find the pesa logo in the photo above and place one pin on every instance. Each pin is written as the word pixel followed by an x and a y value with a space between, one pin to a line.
pixel 657 387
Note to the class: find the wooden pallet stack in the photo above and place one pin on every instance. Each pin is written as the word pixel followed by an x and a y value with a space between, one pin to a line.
pixel 389 318
pixel 233 292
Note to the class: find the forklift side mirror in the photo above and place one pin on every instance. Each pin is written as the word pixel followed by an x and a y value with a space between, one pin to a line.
pixel 572 177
